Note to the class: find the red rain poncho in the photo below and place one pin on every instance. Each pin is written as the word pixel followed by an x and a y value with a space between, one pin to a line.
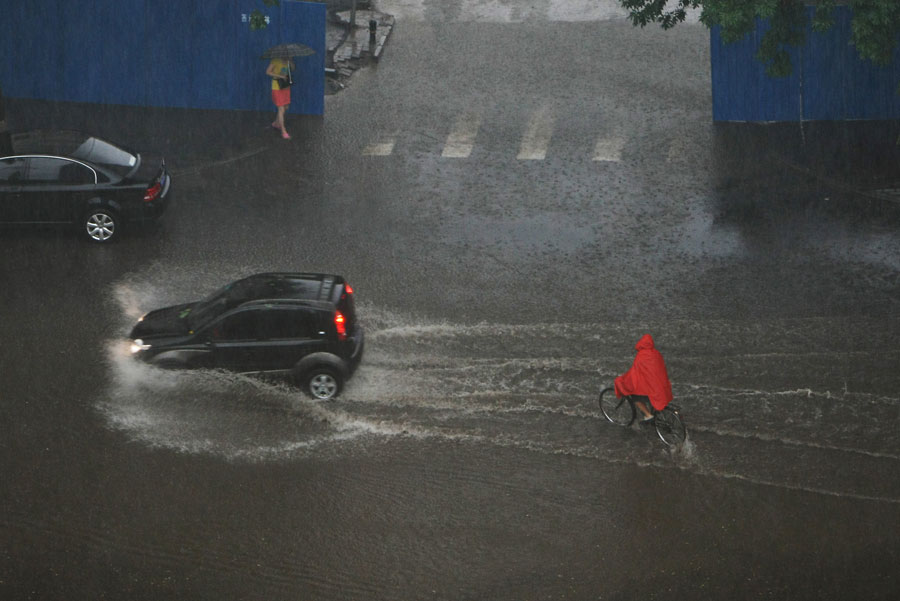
pixel 647 376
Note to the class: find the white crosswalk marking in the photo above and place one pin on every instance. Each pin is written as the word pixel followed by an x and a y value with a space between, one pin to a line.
pixel 381 147
pixel 585 10
pixel 609 149
pixel 677 151
pixel 537 136
pixel 534 144
pixel 509 11
pixel 462 138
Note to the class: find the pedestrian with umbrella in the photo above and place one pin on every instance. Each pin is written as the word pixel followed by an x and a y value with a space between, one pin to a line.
pixel 280 65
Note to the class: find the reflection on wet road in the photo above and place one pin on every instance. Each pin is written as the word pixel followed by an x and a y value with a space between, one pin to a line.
pixel 467 459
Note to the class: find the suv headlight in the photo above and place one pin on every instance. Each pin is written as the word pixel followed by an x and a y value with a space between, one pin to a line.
pixel 138 345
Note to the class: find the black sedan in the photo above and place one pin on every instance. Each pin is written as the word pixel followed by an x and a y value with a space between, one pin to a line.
pixel 65 177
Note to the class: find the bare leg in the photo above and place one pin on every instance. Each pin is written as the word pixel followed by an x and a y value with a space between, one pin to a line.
pixel 280 120
pixel 643 408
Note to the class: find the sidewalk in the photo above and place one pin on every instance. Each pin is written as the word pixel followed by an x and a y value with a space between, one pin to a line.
pixel 350 49
pixel 185 137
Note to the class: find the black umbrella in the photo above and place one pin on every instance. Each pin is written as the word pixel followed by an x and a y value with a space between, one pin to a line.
pixel 288 51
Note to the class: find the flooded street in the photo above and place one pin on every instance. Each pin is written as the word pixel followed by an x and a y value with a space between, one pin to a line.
pixel 464 460
pixel 534 387
pixel 467 459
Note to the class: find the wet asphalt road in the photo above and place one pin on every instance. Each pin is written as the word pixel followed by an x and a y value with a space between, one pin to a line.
pixel 467 459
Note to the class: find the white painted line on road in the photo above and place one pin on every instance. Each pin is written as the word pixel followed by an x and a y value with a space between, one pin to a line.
pixel 508 11
pixel 537 136
pixel 585 10
pixel 383 147
pixel 609 149
pixel 462 138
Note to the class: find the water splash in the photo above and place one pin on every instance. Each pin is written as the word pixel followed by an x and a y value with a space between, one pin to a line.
pixel 525 386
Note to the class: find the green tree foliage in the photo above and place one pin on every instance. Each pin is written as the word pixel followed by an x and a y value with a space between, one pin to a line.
pixel 875 24
pixel 257 18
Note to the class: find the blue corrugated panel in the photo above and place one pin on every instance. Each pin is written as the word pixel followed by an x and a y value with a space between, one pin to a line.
pixel 34 63
pixel 837 84
pixel 826 66
pixel 170 59
pixel 80 74
pixel 216 76
pixel 741 89
pixel 252 67
pixel 190 53
pixel 829 82
pixel 304 22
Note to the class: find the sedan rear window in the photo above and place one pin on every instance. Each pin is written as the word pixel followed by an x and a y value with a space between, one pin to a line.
pixel 104 153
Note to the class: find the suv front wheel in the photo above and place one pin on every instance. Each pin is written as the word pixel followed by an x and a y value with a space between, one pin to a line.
pixel 322 383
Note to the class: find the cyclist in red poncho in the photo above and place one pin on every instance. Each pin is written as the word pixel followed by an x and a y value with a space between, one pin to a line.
pixel 647 377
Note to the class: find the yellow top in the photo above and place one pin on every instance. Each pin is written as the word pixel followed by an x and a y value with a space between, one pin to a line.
pixel 281 66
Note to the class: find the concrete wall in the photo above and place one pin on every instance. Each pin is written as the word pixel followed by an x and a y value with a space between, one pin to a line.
pixel 829 82
pixel 165 53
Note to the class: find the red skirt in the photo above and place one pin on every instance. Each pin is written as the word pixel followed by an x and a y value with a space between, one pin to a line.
pixel 281 97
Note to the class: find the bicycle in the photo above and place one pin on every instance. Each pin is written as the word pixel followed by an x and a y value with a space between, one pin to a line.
pixel 621 411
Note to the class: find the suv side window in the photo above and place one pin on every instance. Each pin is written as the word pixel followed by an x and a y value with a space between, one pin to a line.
pixel 243 325
pixel 284 323
pixel 266 323
pixel 291 323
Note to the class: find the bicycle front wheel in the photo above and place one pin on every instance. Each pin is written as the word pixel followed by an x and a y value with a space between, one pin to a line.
pixel 616 409
pixel 669 427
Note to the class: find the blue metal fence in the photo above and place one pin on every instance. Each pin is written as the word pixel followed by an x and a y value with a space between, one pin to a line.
pixel 829 81
pixel 189 53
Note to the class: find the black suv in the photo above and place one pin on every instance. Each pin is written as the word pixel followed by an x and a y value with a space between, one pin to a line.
pixel 302 324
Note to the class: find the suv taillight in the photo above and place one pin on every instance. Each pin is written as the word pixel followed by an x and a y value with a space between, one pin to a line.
pixel 340 325
pixel 152 192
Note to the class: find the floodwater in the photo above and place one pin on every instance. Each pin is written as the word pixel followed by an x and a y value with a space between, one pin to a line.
pixel 467 458
pixel 533 387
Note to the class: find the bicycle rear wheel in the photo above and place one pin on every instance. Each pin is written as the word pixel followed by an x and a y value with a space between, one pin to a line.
pixel 669 427
pixel 616 409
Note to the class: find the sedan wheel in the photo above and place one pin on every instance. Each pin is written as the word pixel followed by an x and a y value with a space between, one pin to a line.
pixel 101 225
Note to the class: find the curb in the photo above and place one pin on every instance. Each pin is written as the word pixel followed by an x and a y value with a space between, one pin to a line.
pixel 360 44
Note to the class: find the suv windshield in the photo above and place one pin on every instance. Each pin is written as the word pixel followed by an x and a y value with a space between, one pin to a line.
pixel 213 305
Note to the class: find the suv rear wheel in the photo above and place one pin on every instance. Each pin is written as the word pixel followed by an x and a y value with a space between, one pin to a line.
pixel 322 383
